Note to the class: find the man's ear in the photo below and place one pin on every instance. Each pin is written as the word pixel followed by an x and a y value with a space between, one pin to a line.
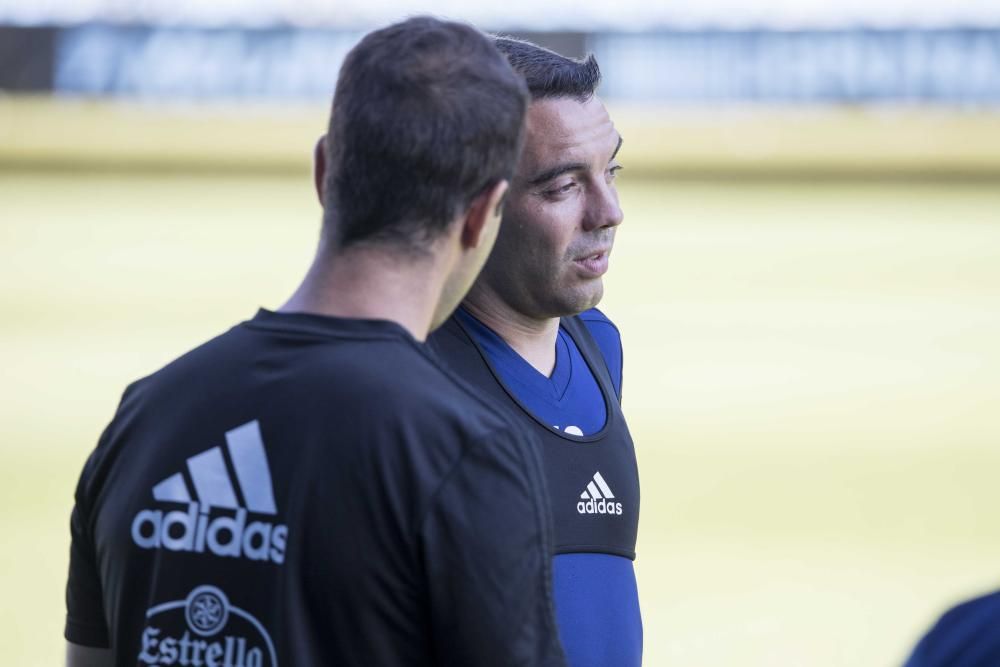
pixel 484 214
pixel 319 167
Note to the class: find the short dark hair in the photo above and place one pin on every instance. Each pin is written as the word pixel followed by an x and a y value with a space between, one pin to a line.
pixel 426 115
pixel 549 74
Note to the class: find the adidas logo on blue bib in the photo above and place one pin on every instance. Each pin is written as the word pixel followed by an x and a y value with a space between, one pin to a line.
pixel 596 498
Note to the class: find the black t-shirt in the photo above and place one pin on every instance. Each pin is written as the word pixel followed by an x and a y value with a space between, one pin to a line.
pixel 306 490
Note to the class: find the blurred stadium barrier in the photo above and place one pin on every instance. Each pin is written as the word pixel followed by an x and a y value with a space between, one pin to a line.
pixel 837 101
pixel 948 65
pixel 787 142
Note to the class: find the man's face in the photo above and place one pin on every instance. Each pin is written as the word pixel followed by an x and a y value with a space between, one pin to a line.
pixel 561 212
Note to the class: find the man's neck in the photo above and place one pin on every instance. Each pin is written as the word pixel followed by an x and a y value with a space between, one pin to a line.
pixel 371 283
pixel 533 339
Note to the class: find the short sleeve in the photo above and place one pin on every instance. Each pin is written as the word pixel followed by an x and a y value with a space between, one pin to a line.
pixel 487 547
pixel 85 618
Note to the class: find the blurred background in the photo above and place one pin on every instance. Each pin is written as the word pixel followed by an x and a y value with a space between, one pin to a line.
pixel 807 281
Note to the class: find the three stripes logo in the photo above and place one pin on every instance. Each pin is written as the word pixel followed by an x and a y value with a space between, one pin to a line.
pixel 597 497
pixel 202 526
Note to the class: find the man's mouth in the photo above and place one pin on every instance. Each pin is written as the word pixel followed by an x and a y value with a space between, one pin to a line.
pixel 595 264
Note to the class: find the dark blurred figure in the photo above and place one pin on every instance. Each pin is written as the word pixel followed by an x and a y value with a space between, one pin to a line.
pixel 968 635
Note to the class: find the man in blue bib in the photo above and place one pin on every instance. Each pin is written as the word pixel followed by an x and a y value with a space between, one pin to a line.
pixel 529 338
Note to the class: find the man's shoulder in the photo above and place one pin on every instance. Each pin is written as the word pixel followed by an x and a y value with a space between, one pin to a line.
pixel 970 623
pixel 608 339
pixel 434 393
pixel 985 608
pixel 597 321
pixel 447 335
pixel 363 356
pixel 393 376
pixel 390 394
pixel 598 324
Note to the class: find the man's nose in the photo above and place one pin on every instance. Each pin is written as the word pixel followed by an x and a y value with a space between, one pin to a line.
pixel 602 208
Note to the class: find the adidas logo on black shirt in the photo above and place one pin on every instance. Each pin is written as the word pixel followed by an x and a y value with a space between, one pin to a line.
pixel 596 498
pixel 200 529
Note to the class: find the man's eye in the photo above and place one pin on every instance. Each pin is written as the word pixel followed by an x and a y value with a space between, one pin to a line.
pixel 560 189
pixel 613 171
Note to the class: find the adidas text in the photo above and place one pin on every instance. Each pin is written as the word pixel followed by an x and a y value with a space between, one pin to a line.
pixel 598 507
pixel 198 532
pixel 596 498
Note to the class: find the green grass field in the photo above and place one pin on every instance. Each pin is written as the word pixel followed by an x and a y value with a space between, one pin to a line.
pixel 812 373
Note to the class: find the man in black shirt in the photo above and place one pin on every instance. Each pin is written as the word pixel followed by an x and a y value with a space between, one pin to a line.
pixel 309 488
